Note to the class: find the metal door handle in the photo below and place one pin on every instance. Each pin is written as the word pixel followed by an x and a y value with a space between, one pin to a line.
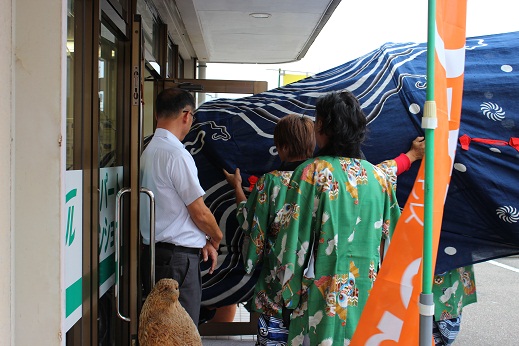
pixel 118 222
pixel 152 234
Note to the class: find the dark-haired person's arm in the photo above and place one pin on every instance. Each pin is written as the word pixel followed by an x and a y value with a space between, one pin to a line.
pixel 416 152
pixel 235 181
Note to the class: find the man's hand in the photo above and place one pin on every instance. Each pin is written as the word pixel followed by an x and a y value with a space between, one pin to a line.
pixel 208 251
pixel 214 243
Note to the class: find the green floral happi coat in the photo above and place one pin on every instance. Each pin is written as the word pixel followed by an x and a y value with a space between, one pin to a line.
pixel 256 217
pixel 335 215
pixel 452 291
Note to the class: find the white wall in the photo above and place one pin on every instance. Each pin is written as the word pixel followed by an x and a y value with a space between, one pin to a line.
pixel 189 68
pixel 5 172
pixel 38 30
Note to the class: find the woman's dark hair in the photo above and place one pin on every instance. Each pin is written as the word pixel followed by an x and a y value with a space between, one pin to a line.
pixel 295 133
pixel 338 115
pixel 171 101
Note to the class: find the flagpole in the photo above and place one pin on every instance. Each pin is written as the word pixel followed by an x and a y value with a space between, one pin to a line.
pixel 429 123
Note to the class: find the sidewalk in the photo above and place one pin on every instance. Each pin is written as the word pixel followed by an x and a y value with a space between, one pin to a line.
pixel 494 319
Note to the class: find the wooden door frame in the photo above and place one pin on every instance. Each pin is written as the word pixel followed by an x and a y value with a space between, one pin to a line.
pixel 216 85
pixel 91 28
pixel 136 82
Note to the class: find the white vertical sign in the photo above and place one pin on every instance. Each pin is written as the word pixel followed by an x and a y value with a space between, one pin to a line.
pixel 110 182
pixel 73 247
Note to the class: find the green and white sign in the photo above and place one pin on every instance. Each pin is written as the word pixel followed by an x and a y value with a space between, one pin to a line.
pixel 110 182
pixel 73 247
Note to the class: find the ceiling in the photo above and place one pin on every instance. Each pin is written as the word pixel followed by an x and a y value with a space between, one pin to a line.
pixel 224 31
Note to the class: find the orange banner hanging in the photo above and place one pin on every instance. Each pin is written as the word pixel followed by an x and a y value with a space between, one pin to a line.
pixel 391 315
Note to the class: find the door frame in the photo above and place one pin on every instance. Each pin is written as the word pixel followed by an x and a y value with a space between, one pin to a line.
pixel 137 65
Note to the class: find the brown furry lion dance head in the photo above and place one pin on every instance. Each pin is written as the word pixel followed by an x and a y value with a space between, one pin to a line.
pixel 163 321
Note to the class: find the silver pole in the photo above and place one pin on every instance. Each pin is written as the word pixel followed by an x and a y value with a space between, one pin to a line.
pixel 426 318
pixel 152 234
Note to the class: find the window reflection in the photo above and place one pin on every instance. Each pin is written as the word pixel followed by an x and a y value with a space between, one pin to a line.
pixel 107 98
pixel 70 86
pixel 150 29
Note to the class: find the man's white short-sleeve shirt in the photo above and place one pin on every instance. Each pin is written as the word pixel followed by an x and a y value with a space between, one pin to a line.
pixel 169 171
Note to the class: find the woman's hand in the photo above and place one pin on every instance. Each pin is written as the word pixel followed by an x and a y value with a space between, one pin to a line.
pixel 235 179
pixel 417 150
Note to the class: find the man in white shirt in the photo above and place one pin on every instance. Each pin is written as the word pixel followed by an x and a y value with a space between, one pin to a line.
pixel 185 228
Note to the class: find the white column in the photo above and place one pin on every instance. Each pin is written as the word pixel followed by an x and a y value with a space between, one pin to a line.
pixel 6 236
pixel 202 67
pixel 39 102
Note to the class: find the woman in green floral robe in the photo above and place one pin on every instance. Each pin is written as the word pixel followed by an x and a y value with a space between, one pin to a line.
pixel 260 227
pixel 338 211
pixel 295 142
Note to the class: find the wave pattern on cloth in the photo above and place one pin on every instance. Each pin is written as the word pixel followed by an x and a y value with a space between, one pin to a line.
pixel 481 217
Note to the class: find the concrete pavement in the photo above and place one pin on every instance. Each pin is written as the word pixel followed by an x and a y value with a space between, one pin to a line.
pixel 494 319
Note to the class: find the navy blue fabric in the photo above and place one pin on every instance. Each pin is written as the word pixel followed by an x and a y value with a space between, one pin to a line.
pixel 271 331
pixel 445 331
pixel 481 217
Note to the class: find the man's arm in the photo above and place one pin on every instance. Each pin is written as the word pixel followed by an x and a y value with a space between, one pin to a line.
pixel 205 221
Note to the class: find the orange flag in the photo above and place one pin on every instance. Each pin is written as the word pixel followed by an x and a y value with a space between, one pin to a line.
pixel 391 315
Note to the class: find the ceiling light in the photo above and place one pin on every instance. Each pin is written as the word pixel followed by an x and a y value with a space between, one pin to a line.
pixel 260 15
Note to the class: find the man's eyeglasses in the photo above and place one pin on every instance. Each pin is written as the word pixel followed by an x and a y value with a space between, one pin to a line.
pixel 192 114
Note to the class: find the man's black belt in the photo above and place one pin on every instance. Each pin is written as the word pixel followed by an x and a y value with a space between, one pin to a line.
pixel 177 248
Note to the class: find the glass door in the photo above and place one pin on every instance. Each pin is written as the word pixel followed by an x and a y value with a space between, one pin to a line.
pixel 119 151
pixel 111 160
pixel 103 149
